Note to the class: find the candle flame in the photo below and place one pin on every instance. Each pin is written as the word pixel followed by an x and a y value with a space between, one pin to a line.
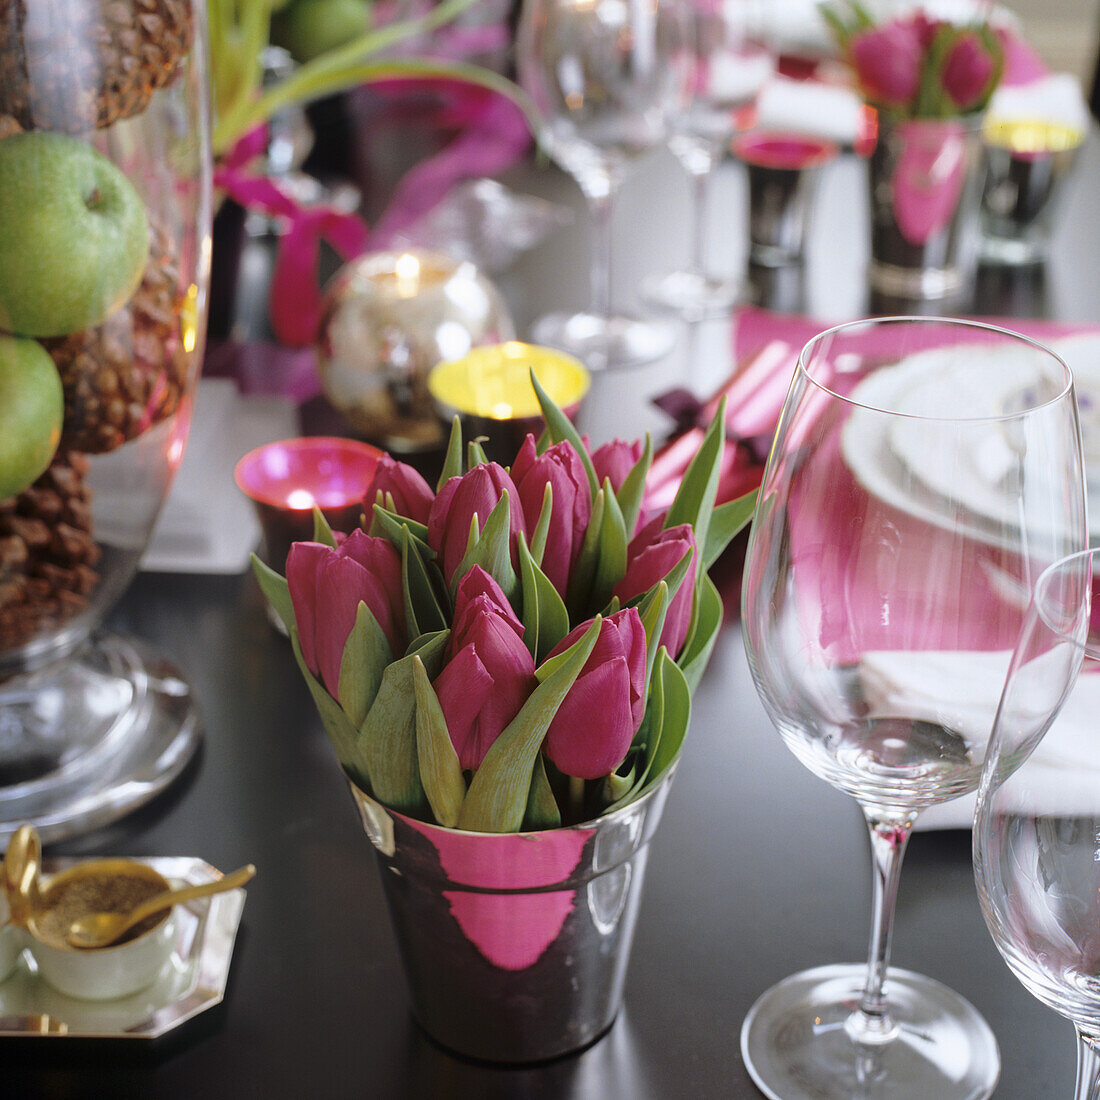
pixel 407 270
pixel 300 499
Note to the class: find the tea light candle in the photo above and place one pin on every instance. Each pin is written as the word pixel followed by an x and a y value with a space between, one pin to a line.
pixel 285 480
pixel 490 390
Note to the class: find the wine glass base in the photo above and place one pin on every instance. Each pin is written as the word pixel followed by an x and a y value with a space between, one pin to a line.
pixel 605 343
pixel 691 294
pixel 91 738
pixel 796 1046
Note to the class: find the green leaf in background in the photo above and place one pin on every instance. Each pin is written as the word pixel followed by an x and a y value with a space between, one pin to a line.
pixel 388 734
pixel 492 549
pixel 561 427
pixel 498 794
pixel 542 528
pixel 452 464
pixel 389 525
pixel 545 620
pixel 322 532
pixel 584 569
pixel 632 489
pixel 341 733
pixel 475 454
pixel 542 807
pixel 423 613
pixel 726 522
pixel 706 620
pixel 695 497
pixel 611 559
pixel 440 771
pixel 276 591
pixel 366 654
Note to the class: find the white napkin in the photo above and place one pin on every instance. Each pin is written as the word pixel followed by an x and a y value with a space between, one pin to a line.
pixel 827 111
pixel 961 691
pixel 1056 98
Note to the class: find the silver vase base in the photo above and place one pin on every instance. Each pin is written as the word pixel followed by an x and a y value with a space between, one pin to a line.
pixel 799 1043
pixel 87 740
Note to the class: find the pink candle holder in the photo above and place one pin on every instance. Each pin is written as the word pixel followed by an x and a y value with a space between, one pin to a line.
pixel 287 479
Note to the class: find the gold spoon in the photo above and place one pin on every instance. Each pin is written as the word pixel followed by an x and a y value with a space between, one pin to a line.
pixel 103 929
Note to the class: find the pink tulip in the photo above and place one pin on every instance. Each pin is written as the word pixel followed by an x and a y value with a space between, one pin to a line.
pixel 967 70
pixel 561 467
pixel 597 720
pixel 652 554
pixel 412 496
pixel 326 586
pixel 888 60
pixel 615 460
pixel 489 672
pixel 478 491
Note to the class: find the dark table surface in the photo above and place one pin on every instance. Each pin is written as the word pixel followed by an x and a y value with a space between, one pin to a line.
pixel 758 869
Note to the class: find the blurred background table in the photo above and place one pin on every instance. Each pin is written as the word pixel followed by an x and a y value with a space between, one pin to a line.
pixel 756 872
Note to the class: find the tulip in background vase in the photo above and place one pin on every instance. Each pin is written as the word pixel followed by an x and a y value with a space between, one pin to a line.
pixel 504 666
pixel 929 82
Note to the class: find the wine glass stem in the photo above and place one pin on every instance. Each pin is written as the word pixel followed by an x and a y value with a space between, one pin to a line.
pixel 1088 1067
pixel 700 185
pixel 888 842
pixel 599 204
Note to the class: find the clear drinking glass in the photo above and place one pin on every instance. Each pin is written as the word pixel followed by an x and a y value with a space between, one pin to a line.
pixel 923 474
pixel 105 187
pixel 1037 826
pixel 727 71
pixel 604 76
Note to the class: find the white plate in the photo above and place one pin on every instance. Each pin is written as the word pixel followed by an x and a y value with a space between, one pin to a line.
pixel 192 981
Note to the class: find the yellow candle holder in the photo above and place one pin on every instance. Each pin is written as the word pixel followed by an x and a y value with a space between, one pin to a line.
pixel 490 390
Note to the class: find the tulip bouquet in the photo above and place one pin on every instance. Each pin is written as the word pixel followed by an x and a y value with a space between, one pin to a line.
pixel 516 649
pixel 915 66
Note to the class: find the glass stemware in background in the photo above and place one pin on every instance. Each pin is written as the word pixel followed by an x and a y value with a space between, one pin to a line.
pixel 604 76
pixel 923 474
pixel 1037 825
pixel 726 73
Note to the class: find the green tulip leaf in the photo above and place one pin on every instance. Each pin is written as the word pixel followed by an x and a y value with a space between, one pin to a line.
pixel 322 532
pixel 695 497
pixel 706 619
pixel 341 733
pixel 652 611
pixel 726 522
pixel 611 558
pixel 617 785
pixel 276 591
pixel 440 771
pixel 675 719
pixel 366 654
pixel 498 794
pixel 452 464
pixel 423 613
pixel 388 734
pixel 389 525
pixel 632 489
pixel 581 580
pixel 545 619
pixel 561 428
pixel 492 549
pixel 475 454
pixel 542 807
pixel 542 528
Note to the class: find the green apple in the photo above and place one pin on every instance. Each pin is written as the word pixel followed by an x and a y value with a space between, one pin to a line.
pixel 32 405
pixel 73 235
pixel 308 28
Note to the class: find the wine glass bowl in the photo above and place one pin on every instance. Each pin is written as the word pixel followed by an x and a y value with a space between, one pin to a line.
pixel 1036 832
pixel 923 473
pixel 604 76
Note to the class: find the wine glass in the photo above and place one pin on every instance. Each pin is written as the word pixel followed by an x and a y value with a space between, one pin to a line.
pixel 1037 824
pixel 727 71
pixel 105 141
pixel 604 76
pixel 923 473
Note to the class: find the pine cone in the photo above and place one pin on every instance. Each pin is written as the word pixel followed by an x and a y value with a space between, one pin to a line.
pixel 127 374
pixel 92 61
pixel 47 553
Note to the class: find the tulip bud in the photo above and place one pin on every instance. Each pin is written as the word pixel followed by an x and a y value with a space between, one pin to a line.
pixel 596 722
pixel 615 460
pixel 412 496
pixel 887 61
pixel 489 672
pixel 477 492
pixel 652 554
pixel 326 587
pixel 967 70
pixel 561 467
